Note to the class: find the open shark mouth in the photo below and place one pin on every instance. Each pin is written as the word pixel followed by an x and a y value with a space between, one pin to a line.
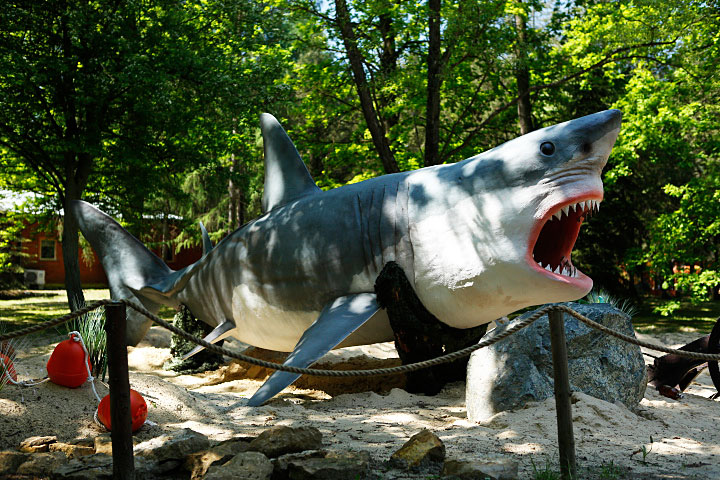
pixel 554 244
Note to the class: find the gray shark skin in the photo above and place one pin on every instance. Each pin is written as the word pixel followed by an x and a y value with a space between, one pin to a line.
pixel 477 239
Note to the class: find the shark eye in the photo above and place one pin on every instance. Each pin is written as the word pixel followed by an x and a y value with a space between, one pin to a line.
pixel 547 148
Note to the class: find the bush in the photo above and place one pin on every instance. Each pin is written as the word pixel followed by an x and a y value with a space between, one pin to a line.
pixel 11 254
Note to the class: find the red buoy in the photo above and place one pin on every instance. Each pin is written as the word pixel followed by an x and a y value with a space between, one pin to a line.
pixel 138 410
pixel 6 348
pixel 66 366
pixel 9 369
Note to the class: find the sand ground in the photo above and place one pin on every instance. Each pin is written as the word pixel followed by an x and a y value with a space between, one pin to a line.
pixel 661 438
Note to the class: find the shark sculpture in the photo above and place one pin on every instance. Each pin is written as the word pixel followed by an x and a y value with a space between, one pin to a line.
pixel 477 239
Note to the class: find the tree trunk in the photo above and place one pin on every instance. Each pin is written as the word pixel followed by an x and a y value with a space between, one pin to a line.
pixel 388 69
pixel 522 77
pixel 70 253
pixel 165 235
pixel 236 209
pixel 377 132
pixel 434 82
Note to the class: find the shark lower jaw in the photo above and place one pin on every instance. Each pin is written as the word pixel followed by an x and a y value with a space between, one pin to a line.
pixel 553 238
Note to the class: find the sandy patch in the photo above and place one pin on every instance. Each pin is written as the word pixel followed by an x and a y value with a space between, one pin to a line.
pixel 685 434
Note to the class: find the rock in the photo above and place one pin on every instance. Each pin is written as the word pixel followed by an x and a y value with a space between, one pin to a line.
pixel 422 448
pixel 41 464
pixel 282 463
pixel 322 465
pixel 199 463
pixel 103 444
pixel 100 467
pixel 519 369
pixel 243 466
pixel 37 444
pixel 280 440
pixel 84 442
pixel 168 452
pixel 11 460
pixel 72 451
pixel 92 467
pixel 498 468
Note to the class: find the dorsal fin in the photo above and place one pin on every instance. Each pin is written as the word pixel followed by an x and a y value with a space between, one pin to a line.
pixel 286 176
pixel 207 243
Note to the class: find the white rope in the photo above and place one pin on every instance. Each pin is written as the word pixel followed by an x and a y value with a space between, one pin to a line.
pixel 75 335
pixel 25 383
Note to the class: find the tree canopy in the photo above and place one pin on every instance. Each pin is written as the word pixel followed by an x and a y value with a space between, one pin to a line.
pixel 151 107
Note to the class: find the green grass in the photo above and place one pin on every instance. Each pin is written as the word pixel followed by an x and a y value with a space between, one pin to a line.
pixel 47 304
pixel 690 317
pixel 44 305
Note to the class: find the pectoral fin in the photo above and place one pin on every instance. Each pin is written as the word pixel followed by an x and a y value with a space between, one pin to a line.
pixel 220 332
pixel 337 321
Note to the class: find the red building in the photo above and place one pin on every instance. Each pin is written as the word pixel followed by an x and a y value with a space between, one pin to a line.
pixel 44 254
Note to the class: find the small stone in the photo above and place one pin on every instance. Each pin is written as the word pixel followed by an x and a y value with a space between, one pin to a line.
pixel 498 468
pixel 169 451
pixel 11 460
pixel 421 448
pixel 199 463
pixel 283 462
pixel 103 444
pixel 92 467
pixel 243 466
pixel 281 440
pixel 41 464
pixel 333 466
pixel 72 451
pixel 37 444
pixel 84 442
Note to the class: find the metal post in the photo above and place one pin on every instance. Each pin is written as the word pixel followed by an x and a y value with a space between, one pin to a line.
pixel 566 438
pixel 119 381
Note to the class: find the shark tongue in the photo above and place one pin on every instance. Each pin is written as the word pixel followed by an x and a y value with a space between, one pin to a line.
pixel 557 239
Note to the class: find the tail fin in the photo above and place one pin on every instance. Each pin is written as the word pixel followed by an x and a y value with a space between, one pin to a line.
pixel 129 265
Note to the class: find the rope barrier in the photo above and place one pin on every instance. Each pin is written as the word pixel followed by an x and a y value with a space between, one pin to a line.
pixel 75 335
pixel 450 357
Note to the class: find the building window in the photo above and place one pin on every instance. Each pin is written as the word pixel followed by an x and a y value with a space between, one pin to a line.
pixel 47 250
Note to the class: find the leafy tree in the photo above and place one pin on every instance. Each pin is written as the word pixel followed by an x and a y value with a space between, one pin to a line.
pixel 660 181
pixel 116 100
pixel 11 254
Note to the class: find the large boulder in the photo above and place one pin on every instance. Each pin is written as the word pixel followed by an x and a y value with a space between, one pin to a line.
pixel 519 369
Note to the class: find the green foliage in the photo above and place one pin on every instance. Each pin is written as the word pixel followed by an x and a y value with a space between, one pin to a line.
pixel 662 176
pixel 645 450
pixel 544 473
pixel 610 471
pixel 201 361
pixel 11 254
pixel 91 328
pixel 667 308
pixel 603 296
pixel 151 108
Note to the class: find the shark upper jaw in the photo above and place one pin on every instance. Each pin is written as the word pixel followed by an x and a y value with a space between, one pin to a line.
pixel 553 237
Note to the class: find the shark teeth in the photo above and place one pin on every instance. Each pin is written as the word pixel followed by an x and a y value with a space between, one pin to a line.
pixel 587 207
pixel 566 268
pixel 554 244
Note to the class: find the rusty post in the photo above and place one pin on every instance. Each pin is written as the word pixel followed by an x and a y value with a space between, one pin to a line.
pixel 566 438
pixel 119 381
